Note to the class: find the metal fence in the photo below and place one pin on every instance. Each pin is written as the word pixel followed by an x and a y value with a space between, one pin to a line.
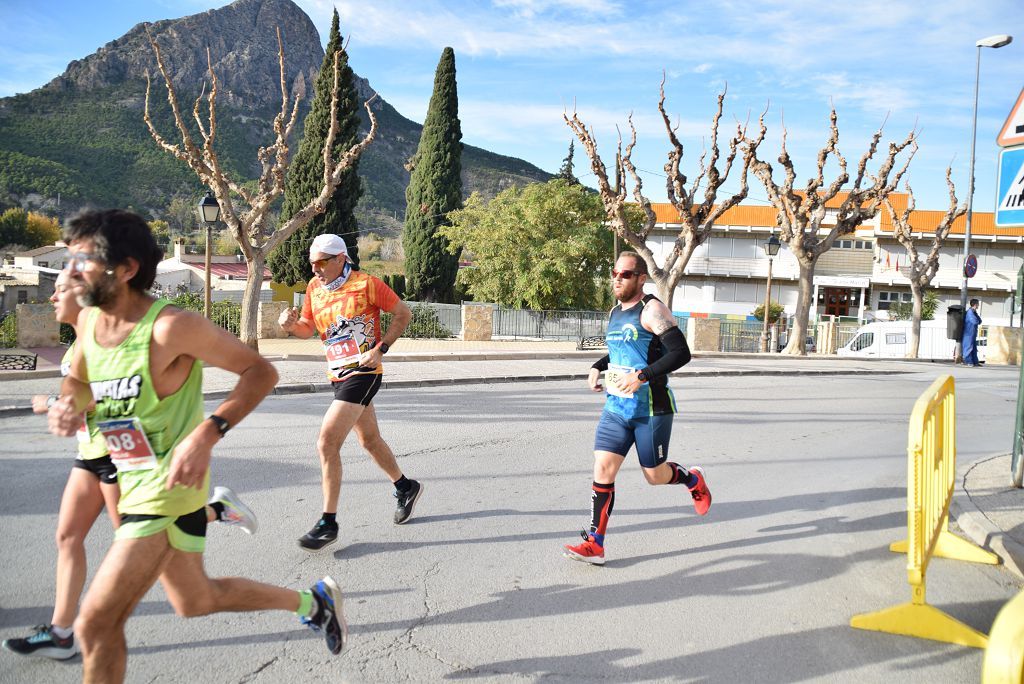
pixel 429 320
pixel 740 336
pixel 846 332
pixel 556 325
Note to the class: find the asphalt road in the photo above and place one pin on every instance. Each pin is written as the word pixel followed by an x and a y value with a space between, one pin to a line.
pixel 809 482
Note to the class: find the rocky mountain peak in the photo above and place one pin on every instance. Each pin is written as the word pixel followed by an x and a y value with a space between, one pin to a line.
pixel 242 39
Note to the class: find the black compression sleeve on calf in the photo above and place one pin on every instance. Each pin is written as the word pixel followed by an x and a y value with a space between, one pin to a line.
pixel 677 354
pixel 601 364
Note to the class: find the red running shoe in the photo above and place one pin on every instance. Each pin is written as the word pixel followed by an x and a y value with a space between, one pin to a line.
pixel 700 492
pixel 588 552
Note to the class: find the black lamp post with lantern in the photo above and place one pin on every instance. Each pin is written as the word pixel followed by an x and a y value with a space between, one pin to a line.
pixel 209 212
pixel 771 248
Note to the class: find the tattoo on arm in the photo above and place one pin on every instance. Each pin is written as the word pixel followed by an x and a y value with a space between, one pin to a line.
pixel 661 323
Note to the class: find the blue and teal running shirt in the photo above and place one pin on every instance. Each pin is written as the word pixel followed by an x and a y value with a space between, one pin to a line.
pixel 633 347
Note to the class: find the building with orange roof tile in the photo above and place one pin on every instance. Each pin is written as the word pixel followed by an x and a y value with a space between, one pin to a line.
pixel 859 279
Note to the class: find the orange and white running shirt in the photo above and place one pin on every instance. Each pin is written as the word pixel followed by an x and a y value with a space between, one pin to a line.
pixel 348 320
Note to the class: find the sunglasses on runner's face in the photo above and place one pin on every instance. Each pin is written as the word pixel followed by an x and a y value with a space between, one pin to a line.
pixel 322 263
pixel 625 273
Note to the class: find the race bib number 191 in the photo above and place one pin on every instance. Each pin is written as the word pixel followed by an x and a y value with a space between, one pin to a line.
pixel 342 352
pixel 127 444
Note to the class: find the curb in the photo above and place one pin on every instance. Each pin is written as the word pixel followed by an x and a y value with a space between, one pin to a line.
pixel 312 388
pixel 980 529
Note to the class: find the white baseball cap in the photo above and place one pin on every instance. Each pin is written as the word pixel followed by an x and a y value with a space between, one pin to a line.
pixel 328 243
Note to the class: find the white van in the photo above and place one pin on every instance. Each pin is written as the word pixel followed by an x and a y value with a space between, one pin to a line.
pixel 891 339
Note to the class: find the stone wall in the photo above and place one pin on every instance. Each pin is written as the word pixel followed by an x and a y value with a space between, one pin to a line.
pixel 707 334
pixel 477 323
pixel 1003 348
pixel 37 326
pixel 266 321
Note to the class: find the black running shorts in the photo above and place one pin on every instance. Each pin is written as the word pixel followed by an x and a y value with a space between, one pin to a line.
pixel 358 389
pixel 103 468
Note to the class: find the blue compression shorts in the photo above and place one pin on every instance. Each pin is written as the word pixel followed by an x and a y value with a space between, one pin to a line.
pixel 650 434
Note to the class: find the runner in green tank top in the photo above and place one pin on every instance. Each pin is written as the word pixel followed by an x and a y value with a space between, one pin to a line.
pixel 142 365
pixel 91 486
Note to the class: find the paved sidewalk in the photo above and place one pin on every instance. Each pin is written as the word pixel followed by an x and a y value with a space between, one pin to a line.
pixel 986 507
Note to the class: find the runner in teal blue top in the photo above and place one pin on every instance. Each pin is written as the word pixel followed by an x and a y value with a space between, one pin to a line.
pixel 644 346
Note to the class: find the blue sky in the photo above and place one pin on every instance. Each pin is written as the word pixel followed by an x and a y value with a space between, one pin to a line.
pixel 521 63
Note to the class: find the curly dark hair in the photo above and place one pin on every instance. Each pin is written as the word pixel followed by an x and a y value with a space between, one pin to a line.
pixel 119 235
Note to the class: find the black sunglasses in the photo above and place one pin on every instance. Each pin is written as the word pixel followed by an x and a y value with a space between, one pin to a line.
pixel 625 273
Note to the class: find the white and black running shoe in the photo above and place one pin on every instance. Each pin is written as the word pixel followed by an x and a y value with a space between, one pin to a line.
pixel 44 643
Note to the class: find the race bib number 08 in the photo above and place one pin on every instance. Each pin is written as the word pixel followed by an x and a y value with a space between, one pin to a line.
pixel 127 444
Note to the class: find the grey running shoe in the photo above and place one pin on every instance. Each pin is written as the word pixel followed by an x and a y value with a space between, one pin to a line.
pixel 43 643
pixel 235 512
pixel 322 534
pixel 407 501
pixel 329 617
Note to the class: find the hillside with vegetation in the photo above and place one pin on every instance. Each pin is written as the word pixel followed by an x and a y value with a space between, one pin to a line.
pixel 81 140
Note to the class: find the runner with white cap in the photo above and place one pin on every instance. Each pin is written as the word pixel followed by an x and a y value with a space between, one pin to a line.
pixel 343 306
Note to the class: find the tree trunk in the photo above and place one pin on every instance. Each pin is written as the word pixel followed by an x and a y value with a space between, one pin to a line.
pixel 666 289
pixel 915 320
pixel 247 331
pixel 795 343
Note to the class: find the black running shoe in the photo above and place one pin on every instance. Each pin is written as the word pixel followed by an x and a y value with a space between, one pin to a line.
pixel 329 617
pixel 407 501
pixel 322 534
pixel 44 643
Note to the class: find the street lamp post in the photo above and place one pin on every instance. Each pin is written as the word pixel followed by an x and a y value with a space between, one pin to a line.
pixel 209 212
pixel 771 248
pixel 997 41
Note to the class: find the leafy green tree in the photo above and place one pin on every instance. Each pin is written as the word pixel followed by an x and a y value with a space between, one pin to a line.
pixel 289 263
pixel 565 173
pixel 435 189
pixel 542 247
pixel 14 227
pixel 162 233
pixel 182 214
pixel 41 230
pixel 774 312
pixel 904 311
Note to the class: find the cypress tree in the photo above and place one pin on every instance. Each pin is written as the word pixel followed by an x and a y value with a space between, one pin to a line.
pixel 435 188
pixel 566 171
pixel 289 263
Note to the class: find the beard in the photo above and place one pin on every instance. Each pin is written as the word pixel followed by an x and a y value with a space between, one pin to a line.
pixel 97 294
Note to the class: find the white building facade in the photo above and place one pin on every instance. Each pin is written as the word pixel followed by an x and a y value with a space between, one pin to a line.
pixel 857 280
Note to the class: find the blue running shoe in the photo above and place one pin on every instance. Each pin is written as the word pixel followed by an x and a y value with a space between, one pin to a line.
pixel 329 617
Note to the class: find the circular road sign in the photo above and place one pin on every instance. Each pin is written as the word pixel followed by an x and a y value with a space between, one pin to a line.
pixel 970 266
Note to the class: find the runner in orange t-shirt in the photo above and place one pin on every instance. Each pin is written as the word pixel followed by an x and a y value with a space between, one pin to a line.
pixel 343 307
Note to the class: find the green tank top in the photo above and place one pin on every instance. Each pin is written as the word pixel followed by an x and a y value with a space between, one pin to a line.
pixel 90 441
pixel 127 407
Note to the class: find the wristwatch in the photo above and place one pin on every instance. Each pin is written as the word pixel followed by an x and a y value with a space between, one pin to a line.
pixel 642 376
pixel 384 346
pixel 222 425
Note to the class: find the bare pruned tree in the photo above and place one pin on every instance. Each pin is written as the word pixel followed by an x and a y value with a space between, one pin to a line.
pixel 802 213
pixel 921 270
pixel 693 201
pixel 247 222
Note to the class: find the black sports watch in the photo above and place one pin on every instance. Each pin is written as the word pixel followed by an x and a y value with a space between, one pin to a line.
pixel 384 346
pixel 222 425
pixel 642 376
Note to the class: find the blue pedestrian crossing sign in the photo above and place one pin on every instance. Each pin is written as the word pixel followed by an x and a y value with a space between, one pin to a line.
pixel 1010 189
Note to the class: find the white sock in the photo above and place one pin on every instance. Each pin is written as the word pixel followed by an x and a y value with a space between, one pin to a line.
pixel 61 632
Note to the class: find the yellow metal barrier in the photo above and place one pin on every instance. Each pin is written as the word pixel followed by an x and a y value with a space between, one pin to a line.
pixel 1004 657
pixel 931 478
